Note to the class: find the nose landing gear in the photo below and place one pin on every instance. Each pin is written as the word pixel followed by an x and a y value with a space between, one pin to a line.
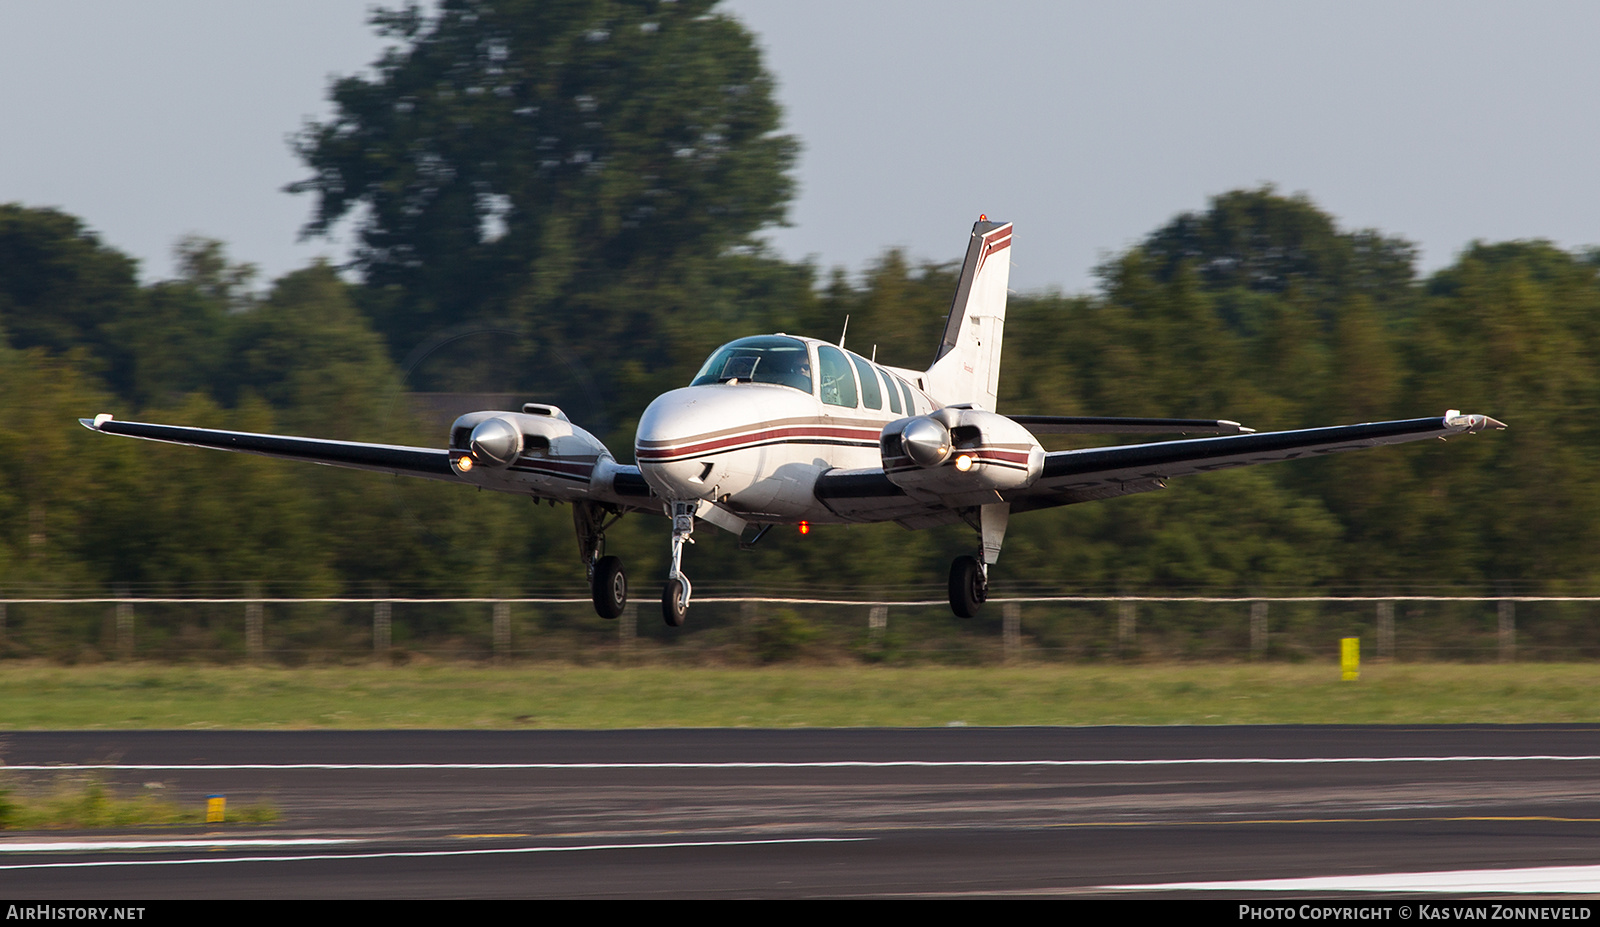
pixel 675 594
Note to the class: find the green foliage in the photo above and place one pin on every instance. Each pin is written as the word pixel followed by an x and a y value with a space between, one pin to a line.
pixel 512 154
pixel 782 635
pixel 1257 240
pixel 59 286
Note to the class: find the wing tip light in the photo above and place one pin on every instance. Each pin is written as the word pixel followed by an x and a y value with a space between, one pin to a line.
pixel 93 424
pixel 1471 424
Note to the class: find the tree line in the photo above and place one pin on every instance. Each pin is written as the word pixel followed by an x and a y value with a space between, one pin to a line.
pixel 560 201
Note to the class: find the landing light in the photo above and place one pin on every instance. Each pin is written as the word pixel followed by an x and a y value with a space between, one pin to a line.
pixel 964 463
pixel 463 464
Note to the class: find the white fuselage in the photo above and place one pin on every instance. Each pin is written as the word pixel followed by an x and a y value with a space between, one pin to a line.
pixel 757 448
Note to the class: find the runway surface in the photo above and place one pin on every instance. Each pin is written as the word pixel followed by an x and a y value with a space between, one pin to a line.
pixel 1169 811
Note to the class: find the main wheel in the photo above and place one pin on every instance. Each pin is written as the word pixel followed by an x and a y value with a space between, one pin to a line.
pixel 968 587
pixel 673 608
pixel 609 587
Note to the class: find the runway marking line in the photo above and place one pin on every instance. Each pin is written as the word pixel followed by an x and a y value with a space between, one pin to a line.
pixel 1538 880
pixel 1461 819
pixel 423 854
pixel 817 764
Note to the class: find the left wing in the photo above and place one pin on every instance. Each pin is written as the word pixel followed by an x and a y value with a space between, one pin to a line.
pixel 551 458
pixel 1086 475
pixel 384 458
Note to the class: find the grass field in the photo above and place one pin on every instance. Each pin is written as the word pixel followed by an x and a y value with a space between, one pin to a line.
pixel 151 696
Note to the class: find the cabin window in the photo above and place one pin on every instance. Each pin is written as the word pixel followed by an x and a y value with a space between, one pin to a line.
pixel 838 380
pixel 894 394
pixel 870 397
pixel 762 359
pixel 911 399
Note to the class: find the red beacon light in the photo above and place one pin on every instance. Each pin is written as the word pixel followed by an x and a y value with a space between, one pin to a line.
pixel 805 527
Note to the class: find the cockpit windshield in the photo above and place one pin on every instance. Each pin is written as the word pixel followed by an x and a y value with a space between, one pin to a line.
pixel 762 359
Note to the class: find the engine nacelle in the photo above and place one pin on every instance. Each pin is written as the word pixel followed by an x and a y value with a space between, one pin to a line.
pixel 955 452
pixel 538 449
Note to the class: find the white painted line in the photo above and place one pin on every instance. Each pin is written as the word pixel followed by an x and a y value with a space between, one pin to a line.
pixel 423 854
pixel 1545 880
pixel 820 764
pixel 74 846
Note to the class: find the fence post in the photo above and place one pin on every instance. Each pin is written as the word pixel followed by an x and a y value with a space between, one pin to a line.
pixel 628 629
pixel 254 634
pixel 124 624
pixel 1258 628
pixel 1508 631
pixel 877 620
pixel 1012 635
pixel 502 631
pixel 380 624
pixel 1127 624
pixel 748 615
pixel 1386 630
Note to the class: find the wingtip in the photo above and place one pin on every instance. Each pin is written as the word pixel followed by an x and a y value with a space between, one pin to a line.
pixel 93 424
pixel 1472 424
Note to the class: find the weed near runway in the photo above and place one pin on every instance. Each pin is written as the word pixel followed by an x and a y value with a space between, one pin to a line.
pixel 79 802
pixel 148 696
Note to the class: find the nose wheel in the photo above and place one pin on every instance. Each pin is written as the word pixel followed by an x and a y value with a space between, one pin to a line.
pixel 675 594
pixel 675 602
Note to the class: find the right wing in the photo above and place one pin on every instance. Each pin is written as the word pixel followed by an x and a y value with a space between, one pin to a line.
pixel 1090 474
pixel 1105 472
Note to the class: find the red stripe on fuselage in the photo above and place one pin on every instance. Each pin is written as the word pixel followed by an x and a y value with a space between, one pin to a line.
pixel 800 435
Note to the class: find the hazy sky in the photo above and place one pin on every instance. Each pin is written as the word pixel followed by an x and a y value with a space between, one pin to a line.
pixel 1088 124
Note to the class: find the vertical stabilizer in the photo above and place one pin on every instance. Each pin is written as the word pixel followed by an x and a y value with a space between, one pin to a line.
pixel 967 367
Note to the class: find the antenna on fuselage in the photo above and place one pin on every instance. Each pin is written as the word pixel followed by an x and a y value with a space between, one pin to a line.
pixel 874 354
pixel 843 330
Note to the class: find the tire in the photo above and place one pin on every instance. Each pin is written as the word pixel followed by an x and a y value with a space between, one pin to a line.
pixel 609 587
pixel 673 610
pixel 968 588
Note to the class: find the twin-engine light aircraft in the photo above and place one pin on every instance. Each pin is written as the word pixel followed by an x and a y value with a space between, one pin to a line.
pixel 779 430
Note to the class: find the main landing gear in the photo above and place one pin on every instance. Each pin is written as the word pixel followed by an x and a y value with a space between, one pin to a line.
pixel 969 585
pixel 969 575
pixel 608 584
pixel 675 594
